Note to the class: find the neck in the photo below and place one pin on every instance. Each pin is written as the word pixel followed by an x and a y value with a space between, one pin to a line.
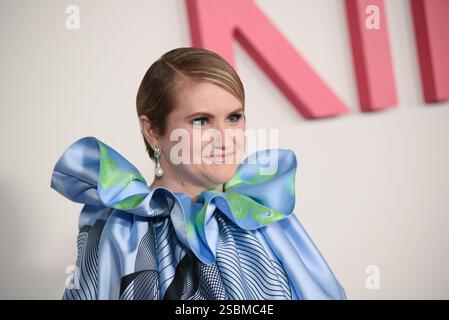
pixel 180 186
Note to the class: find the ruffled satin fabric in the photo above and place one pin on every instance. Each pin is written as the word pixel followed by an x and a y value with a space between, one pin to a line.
pixel 137 242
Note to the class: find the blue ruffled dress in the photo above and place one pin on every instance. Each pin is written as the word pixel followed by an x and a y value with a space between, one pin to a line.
pixel 137 242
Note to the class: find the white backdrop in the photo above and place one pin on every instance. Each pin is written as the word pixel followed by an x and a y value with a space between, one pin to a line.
pixel 372 188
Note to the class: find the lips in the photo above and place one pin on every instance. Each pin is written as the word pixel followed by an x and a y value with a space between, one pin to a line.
pixel 221 155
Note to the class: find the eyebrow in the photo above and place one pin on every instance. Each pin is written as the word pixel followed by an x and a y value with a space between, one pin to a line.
pixel 207 114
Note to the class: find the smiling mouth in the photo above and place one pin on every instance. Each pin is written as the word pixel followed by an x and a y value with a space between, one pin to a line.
pixel 221 156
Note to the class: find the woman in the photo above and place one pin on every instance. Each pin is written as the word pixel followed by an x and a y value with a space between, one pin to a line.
pixel 210 226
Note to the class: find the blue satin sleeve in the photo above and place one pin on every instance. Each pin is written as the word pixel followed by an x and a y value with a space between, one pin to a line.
pixel 309 274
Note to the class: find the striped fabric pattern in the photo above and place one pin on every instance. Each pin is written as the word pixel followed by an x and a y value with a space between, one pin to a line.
pixel 166 269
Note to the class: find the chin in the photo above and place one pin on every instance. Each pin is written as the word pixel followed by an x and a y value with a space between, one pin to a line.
pixel 220 173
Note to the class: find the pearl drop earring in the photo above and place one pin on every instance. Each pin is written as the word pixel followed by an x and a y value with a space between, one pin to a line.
pixel 158 170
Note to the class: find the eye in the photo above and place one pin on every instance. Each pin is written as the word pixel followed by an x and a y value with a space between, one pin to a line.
pixel 235 117
pixel 199 121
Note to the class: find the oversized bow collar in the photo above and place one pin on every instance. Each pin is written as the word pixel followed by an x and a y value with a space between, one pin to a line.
pixel 261 191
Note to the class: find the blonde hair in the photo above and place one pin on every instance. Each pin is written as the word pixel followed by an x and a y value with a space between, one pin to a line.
pixel 156 96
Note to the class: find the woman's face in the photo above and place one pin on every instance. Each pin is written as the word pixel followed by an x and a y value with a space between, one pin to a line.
pixel 204 141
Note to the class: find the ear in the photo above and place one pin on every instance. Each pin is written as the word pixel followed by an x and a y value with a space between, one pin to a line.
pixel 148 130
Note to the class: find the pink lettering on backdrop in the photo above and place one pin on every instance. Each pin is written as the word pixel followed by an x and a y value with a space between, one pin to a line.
pixel 215 24
pixel 431 21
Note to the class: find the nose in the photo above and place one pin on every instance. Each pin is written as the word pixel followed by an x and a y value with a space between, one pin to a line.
pixel 223 142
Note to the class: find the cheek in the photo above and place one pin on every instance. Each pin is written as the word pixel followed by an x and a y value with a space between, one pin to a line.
pixel 178 142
